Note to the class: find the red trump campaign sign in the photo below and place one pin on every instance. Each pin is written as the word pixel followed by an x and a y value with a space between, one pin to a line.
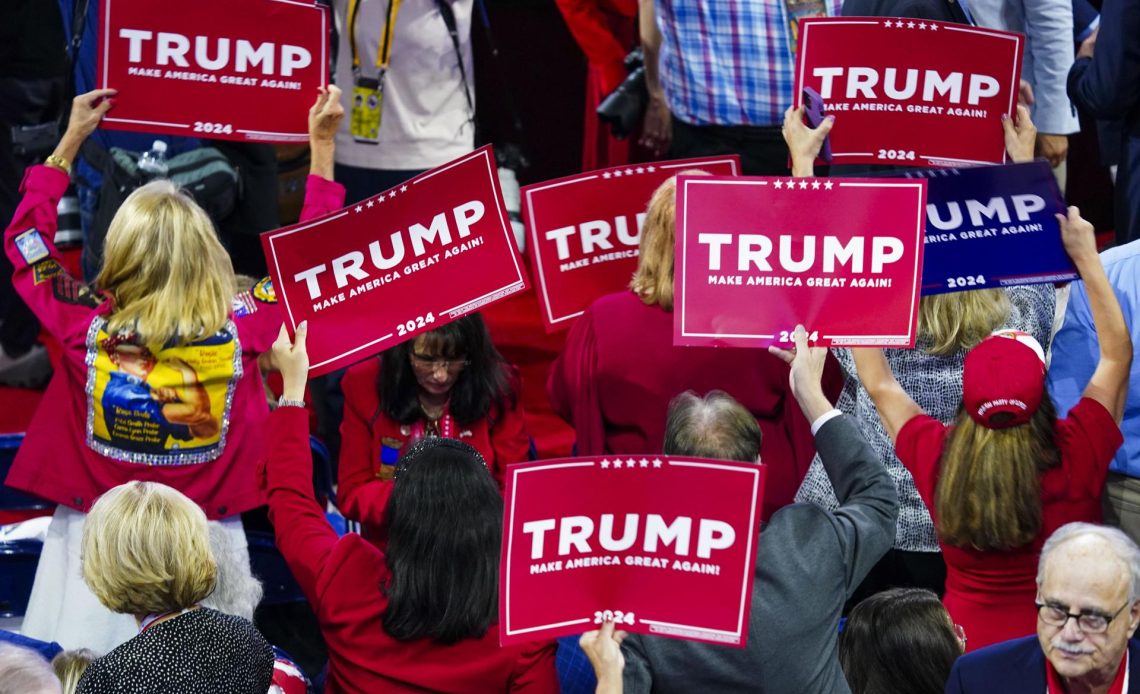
pixel 226 69
pixel 585 229
pixel 627 539
pixel 756 256
pixel 397 264
pixel 910 91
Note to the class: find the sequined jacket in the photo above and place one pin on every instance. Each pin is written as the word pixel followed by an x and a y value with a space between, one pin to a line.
pixel 188 416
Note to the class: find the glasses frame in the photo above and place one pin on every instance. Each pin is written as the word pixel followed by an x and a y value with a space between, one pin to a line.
pixel 960 634
pixel 1078 615
pixel 429 365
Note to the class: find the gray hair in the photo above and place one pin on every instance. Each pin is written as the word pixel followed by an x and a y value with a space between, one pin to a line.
pixel 238 591
pixel 23 671
pixel 716 426
pixel 1122 546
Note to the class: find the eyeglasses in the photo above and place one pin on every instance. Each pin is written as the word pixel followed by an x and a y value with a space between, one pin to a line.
pixel 1088 622
pixel 429 364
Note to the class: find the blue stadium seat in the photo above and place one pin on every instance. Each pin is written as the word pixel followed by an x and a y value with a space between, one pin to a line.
pixel 18 560
pixel 264 557
pixel 10 499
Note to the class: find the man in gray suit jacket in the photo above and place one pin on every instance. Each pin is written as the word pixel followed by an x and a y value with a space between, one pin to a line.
pixel 808 562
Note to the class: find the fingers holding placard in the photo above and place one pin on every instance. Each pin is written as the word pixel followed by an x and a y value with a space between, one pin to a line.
pixel 804 143
pixel 87 110
pixel 1078 235
pixel 1020 135
pixel 603 648
pixel 806 374
pixel 326 114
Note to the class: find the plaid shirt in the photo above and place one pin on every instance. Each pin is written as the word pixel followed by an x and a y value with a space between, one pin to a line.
pixel 728 62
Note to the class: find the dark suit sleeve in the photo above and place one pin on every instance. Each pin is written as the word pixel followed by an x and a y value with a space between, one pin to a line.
pixel 1083 15
pixel 1108 84
pixel 868 502
pixel 637 677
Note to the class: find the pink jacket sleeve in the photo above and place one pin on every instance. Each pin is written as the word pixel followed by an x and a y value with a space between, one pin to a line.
pixel 50 292
pixel 321 197
pixel 259 329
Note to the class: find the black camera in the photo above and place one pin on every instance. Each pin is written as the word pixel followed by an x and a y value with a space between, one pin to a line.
pixel 625 107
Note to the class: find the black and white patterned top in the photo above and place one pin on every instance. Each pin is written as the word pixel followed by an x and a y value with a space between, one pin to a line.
pixel 200 652
pixel 935 383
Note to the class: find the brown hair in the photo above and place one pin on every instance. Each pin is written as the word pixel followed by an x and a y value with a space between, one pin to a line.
pixel 989 492
pixel 899 641
pixel 960 320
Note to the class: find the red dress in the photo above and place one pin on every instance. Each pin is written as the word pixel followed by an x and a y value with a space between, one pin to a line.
pixel 342 579
pixel 371 441
pixel 619 370
pixel 991 594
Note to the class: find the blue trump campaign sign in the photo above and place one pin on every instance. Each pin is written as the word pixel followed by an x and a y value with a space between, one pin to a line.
pixel 992 226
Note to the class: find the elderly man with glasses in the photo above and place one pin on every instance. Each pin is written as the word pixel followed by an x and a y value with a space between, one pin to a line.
pixel 1088 608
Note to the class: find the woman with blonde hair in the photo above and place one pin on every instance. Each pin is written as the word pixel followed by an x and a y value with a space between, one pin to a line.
pixel 619 370
pixel 146 554
pixel 949 325
pixel 1008 472
pixel 69 667
pixel 159 377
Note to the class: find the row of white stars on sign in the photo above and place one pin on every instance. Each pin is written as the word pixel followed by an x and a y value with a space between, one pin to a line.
pixel 630 463
pixel 629 172
pixel 803 183
pixel 899 24
pixel 378 199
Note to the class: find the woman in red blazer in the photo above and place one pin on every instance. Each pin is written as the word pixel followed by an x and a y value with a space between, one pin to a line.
pixel 450 382
pixel 420 616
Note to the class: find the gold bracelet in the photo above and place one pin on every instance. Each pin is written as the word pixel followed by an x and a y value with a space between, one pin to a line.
pixel 59 162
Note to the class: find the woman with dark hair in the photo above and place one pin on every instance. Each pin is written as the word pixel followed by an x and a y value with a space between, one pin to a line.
pixel 1008 472
pixel 899 641
pixel 423 614
pixel 450 382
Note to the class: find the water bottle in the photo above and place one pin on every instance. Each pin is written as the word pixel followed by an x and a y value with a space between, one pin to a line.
pixel 154 161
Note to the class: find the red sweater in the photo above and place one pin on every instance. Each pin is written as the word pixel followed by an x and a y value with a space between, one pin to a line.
pixel 100 425
pixel 991 593
pixel 365 485
pixel 342 579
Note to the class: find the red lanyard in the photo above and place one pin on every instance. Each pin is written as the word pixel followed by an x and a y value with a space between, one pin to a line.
pixel 444 427
pixel 150 619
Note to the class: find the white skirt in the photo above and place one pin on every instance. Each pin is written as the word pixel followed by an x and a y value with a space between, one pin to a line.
pixel 63 609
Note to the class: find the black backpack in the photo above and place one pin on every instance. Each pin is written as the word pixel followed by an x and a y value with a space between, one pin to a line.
pixel 204 173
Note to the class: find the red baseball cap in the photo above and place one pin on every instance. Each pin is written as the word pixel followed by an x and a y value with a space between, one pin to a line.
pixel 1004 375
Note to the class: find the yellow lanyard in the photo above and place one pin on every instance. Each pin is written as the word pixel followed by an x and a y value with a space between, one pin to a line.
pixel 384 50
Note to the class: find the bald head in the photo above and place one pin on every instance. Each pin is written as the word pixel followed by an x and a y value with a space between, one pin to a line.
pixel 715 426
pixel 1100 547
pixel 23 671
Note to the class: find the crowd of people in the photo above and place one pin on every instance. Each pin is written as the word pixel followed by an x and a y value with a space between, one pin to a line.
pixel 961 516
